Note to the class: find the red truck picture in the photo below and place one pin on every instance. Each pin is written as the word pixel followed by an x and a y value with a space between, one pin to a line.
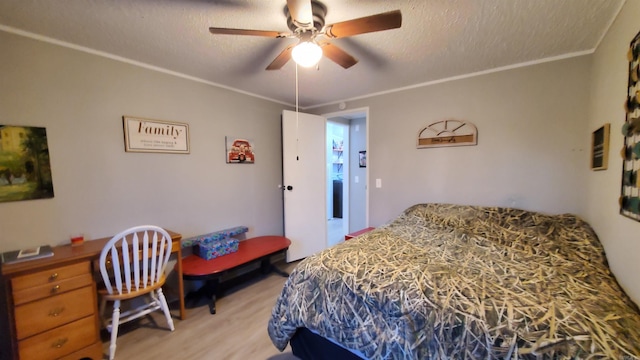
pixel 240 152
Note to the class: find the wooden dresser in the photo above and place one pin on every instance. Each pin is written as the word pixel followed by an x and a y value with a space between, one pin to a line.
pixel 49 307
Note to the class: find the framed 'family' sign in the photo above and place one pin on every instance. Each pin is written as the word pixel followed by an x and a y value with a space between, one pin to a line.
pixel 147 135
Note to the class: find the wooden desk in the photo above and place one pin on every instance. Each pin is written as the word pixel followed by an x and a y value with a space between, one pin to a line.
pixel 81 261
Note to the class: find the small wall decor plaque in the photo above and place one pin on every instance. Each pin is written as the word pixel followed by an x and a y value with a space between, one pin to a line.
pixel 448 133
pixel 600 148
pixel 239 150
pixel 147 135
pixel 25 170
pixel 362 159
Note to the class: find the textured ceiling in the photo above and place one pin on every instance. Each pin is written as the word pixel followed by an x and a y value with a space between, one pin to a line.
pixel 439 39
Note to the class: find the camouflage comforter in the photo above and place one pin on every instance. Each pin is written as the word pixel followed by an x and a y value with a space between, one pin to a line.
pixel 454 282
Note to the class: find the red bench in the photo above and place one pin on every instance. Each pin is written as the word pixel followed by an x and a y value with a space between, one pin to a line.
pixel 257 249
pixel 357 233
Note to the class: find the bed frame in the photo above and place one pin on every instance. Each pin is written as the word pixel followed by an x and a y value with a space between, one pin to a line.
pixel 307 345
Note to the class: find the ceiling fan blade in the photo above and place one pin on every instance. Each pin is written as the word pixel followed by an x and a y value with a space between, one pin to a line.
pixel 301 13
pixel 281 59
pixel 367 24
pixel 227 31
pixel 338 55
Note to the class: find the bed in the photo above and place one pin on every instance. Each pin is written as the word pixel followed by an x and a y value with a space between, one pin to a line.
pixel 448 281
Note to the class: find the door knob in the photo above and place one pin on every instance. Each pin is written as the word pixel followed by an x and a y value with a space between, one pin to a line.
pixel 289 187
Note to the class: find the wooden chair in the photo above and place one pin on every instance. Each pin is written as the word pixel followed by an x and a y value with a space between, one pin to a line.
pixel 132 265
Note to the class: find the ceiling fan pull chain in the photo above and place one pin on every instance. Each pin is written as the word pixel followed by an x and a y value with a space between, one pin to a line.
pixel 297 155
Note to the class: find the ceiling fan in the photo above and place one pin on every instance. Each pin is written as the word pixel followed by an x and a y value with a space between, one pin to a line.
pixel 305 19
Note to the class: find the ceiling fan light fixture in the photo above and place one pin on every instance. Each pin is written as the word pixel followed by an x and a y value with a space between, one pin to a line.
pixel 306 54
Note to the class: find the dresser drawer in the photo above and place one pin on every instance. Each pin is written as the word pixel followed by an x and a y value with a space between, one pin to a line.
pixel 50 276
pixel 51 289
pixel 59 342
pixel 92 352
pixel 39 316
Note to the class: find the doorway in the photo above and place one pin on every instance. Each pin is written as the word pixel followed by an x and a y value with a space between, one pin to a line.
pixel 305 187
pixel 347 193
pixel 337 172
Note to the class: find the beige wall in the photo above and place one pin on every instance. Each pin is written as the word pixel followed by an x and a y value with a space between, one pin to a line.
pixel 531 151
pixel 619 235
pixel 99 188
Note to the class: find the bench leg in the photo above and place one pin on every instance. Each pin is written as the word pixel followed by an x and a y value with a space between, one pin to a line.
pixel 211 291
pixel 279 272
pixel 266 266
pixel 212 304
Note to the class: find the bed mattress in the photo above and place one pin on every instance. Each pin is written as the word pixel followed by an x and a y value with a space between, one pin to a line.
pixel 454 281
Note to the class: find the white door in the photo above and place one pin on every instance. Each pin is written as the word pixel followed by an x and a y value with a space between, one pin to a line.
pixel 303 168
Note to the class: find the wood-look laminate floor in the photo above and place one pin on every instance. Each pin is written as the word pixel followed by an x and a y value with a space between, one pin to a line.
pixel 237 331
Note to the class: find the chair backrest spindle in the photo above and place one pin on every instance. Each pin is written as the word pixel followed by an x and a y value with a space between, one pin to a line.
pixel 126 264
pixel 135 244
pixel 145 258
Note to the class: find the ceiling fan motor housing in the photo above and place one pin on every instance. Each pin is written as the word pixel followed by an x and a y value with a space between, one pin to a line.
pixel 319 12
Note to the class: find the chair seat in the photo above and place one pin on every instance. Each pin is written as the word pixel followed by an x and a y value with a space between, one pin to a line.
pixel 142 290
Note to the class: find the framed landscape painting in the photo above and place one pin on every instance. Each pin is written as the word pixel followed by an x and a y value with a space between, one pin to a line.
pixel 25 170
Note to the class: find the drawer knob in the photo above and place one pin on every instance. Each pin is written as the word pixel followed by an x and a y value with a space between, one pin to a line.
pixel 53 277
pixel 55 289
pixel 59 343
pixel 56 312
